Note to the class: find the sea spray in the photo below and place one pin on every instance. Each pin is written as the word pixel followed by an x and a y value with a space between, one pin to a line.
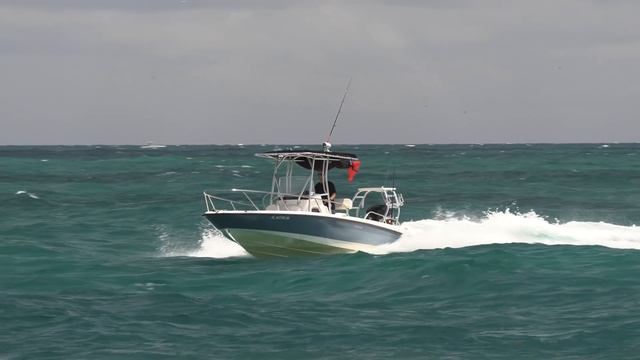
pixel 211 244
pixel 214 245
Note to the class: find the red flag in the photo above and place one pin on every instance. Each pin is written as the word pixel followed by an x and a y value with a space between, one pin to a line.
pixel 353 169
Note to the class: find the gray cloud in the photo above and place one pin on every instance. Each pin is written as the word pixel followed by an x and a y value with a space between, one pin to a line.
pixel 245 72
pixel 147 6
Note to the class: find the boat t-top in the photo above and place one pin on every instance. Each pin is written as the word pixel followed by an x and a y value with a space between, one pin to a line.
pixel 300 215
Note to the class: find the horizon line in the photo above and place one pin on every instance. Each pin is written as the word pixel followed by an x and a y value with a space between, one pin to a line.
pixel 339 144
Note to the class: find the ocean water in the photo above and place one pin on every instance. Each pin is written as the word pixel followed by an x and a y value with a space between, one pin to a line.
pixel 509 252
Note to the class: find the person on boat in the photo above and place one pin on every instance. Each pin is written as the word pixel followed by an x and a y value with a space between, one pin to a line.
pixel 319 189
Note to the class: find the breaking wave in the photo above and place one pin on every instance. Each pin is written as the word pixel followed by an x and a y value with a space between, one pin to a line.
pixel 24 192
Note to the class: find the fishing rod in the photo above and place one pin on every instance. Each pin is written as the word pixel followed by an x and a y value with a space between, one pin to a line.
pixel 346 91
pixel 393 185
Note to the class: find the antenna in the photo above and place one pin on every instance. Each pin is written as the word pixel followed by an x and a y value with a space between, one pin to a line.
pixel 346 91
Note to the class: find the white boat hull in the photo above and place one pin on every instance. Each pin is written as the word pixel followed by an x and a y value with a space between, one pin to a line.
pixel 281 233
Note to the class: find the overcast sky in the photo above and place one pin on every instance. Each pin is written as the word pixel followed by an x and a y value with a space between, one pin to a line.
pixel 258 71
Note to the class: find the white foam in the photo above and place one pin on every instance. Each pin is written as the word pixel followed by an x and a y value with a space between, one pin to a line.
pixel 212 245
pixel 452 231
pixel 506 227
pixel 31 195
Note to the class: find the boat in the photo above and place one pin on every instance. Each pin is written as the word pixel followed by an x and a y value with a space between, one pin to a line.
pixel 300 216
pixel 151 145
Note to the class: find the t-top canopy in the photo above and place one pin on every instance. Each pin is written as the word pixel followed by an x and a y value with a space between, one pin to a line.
pixel 305 158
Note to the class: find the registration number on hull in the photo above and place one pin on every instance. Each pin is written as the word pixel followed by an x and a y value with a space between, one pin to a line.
pixel 280 217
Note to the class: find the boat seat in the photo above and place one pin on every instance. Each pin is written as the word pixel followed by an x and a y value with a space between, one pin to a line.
pixel 343 204
pixel 376 212
pixel 304 204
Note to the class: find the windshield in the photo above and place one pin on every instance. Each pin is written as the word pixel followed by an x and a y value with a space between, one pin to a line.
pixel 293 185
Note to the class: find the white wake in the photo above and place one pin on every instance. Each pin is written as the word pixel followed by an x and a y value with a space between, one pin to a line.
pixel 457 232
pixel 505 228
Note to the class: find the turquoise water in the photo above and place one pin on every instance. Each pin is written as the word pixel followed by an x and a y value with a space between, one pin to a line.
pixel 510 251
